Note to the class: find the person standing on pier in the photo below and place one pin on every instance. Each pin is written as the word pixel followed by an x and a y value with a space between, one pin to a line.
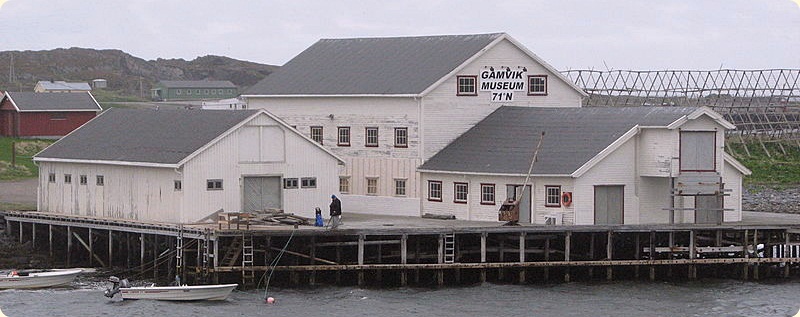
pixel 336 212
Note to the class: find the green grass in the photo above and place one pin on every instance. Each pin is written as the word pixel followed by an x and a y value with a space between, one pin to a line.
pixel 103 95
pixel 16 206
pixel 774 170
pixel 25 149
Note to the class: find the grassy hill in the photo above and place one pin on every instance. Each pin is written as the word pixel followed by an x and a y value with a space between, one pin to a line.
pixel 129 78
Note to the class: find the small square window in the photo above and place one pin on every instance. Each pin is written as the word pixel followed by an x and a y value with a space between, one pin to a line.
pixel 316 134
pixel 372 186
pixel 178 185
pixel 371 137
pixel 399 187
pixel 308 182
pixel 197 91
pixel 188 91
pixel 51 177
pixel 467 85
pixel 400 137
pixel 214 184
pixel 435 190
pixel 291 183
pixel 67 178
pixel 537 85
pixel 344 184
pixel 461 192
pixel 487 194
pixel 213 91
pixel 84 180
pixel 552 196
pixel 178 92
pixel 205 91
pixel 343 136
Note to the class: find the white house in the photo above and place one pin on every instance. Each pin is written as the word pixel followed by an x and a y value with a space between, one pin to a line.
pixel 61 86
pixel 615 165
pixel 180 166
pixel 386 105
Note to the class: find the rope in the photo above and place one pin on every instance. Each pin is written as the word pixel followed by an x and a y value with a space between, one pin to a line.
pixel 274 264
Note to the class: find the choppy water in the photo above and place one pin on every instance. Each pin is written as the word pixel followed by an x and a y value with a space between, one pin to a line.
pixel 626 298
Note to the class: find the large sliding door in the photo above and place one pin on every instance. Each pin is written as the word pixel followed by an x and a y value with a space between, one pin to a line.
pixel 608 205
pixel 260 193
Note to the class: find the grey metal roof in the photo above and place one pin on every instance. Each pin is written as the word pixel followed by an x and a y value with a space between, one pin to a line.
pixel 43 101
pixel 197 84
pixel 504 142
pixel 62 85
pixel 384 66
pixel 144 136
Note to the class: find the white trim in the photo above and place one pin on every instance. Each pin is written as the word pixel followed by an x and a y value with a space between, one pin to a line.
pixel 699 112
pixel 490 174
pixel 6 94
pixel 606 152
pixel 331 96
pixel 95 101
pixel 65 110
pixel 736 164
pixel 105 162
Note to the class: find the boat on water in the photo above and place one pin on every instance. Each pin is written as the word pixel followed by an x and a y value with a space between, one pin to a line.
pixel 38 278
pixel 170 293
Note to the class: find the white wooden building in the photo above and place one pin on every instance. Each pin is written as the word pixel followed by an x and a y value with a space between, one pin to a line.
pixel 386 105
pixel 596 166
pixel 181 166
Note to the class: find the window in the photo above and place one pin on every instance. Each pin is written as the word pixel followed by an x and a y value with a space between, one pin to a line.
pixel 316 134
pixel 51 177
pixel 537 85
pixel 372 137
pixel 435 190
pixel 343 136
pixel 213 91
pixel 399 187
pixel 230 91
pixel 344 184
pixel 308 182
pixel 460 191
pixel 205 91
pixel 188 91
pixel 67 178
pixel 372 186
pixel 100 180
pixel 214 184
pixel 552 196
pixel 290 183
pixel 178 185
pixel 197 91
pixel 219 91
pixel 58 116
pixel 83 179
pixel 400 137
pixel 487 194
pixel 178 91
pixel 467 85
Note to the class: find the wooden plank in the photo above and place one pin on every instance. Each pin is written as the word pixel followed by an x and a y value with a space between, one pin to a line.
pixel 86 246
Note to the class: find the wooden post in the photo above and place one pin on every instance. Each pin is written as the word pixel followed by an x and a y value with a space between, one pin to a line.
pixel 312 277
pixel 361 238
pixel 786 253
pixel 110 248
pixel 69 244
pixel 50 239
pixel 484 235
pixel 546 258
pixel 591 255
pixel 33 235
pixel 652 255
pixel 20 232
pixel 567 250
pixel 502 254
pixel 692 253
pixel 522 257
pixel 755 248
pixel 637 255
pixel 155 256
pixel 141 252
pixel 671 244
pixel 439 272
pixel 91 248
pixel 128 250
pixel 403 259
pixel 746 265
pixel 609 254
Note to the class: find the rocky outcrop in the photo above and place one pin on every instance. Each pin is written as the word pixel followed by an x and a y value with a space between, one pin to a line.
pixel 767 199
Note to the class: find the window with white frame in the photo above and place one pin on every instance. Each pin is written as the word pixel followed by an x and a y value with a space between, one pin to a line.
pixel 343 136
pixel 177 185
pixel 67 178
pixel 399 187
pixel 316 134
pixel 435 190
pixel 487 194
pixel 460 192
pixel 552 196
pixel 400 137
pixel 100 180
pixel 372 185
pixel 537 85
pixel 291 183
pixel 308 182
pixel 344 184
pixel 467 85
pixel 178 92
pixel 371 136
pixel 83 179
pixel 213 184
pixel 51 177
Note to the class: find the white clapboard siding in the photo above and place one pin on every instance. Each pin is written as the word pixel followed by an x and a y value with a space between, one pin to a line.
pixel 733 181
pixel 658 148
pixel 618 168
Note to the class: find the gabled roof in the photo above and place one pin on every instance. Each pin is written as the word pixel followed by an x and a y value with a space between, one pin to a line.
pixel 503 143
pixel 62 85
pixel 372 66
pixel 40 101
pixel 197 84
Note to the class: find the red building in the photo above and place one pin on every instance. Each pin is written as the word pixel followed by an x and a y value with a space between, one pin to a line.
pixel 43 115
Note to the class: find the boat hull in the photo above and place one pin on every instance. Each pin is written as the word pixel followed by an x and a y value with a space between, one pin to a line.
pixel 179 293
pixel 39 280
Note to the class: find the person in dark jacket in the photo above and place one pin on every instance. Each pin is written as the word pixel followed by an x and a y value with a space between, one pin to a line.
pixel 336 212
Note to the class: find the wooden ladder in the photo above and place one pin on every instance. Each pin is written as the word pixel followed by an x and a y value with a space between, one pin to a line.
pixel 449 247
pixel 248 275
pixel 233 253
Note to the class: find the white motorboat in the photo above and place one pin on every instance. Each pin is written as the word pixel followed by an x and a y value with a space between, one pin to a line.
pixel 38 279
pixel 171 293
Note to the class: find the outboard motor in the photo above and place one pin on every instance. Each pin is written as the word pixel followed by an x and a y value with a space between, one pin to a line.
pixel 116 285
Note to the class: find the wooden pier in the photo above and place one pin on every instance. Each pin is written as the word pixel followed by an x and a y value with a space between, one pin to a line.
pixel 397 251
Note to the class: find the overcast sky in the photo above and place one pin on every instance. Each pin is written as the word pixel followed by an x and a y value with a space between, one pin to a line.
pixel 621 34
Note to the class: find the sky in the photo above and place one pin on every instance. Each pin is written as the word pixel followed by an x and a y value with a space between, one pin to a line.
pixel 569 34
